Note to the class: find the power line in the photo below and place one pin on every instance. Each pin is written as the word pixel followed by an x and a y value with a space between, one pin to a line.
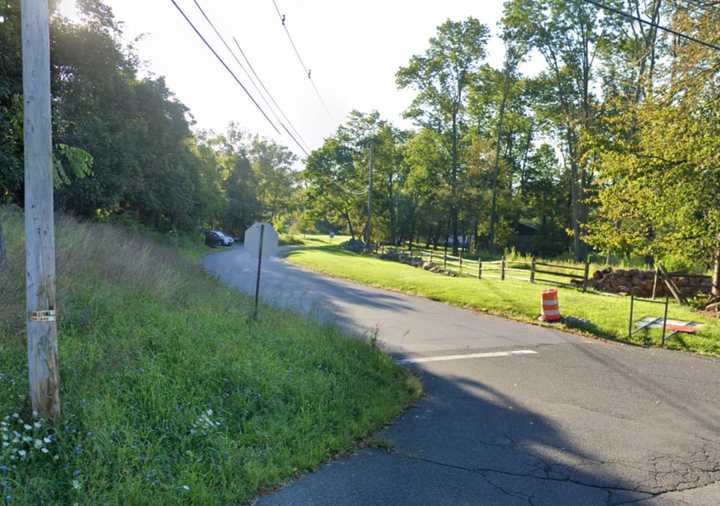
pixel 654 25
pixel 232 53
pixel 252 69
pixel 222 62
pixel 307 71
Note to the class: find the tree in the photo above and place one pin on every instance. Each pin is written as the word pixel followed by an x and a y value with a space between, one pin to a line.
pixel 334 192
pixel 658 160
pixel 441 76
pixel 569 35
pixel 272 165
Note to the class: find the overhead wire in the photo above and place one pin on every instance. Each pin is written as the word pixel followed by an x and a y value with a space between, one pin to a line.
pixel 308 72
pixel 237 60
pixel 222 62
pixel 654 25
pixel 272 99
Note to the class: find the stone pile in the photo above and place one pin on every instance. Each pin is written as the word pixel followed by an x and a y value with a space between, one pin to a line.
pixel 438 269
pixel 397 256
pixel 640 283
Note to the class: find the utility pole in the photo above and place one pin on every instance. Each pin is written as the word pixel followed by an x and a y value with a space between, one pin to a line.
pixel 39 220
pixel 368 229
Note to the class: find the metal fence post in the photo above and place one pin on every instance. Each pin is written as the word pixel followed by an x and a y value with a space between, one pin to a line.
pixel 632 303
pixel 502 269
pixel 532 270
pixel 667 303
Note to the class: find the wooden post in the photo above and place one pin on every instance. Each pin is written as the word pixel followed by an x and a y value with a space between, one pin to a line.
pixel 431 252
pixel 445 257
pixel 502 269
pixel 532 270
pixel 461 252
pixel 586 273
pixel 655 282
pixel 44 373
pixel 479 268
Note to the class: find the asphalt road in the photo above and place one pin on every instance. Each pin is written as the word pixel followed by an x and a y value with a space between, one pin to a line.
pixel 514 413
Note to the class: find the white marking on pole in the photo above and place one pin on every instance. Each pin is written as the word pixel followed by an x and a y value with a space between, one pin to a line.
pixel 491 354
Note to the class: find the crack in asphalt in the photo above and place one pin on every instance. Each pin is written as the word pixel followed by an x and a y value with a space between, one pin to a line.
pixel 546 469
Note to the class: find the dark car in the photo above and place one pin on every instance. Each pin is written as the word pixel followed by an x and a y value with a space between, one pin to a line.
pixel 215 239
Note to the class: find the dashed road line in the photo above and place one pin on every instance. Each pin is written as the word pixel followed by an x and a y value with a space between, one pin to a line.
pixel 491 354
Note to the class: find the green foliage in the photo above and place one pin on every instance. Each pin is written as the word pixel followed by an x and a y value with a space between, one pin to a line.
pixel 78 160
pixel 169 393
pixel 123 144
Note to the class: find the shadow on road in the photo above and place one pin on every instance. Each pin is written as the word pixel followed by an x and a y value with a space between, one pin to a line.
pixel 466 443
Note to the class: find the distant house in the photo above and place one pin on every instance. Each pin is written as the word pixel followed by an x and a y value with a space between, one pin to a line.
pixel 461 240
pixel 524 237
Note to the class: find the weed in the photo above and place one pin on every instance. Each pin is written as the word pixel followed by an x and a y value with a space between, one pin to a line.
pixel 168 395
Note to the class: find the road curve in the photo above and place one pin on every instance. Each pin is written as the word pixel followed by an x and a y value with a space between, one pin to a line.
pixel 514 413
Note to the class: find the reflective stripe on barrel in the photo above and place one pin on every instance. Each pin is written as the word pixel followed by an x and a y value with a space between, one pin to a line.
pixel 550 305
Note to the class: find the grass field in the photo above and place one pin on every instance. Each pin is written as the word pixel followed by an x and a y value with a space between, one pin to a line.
pixel 169 394
pixel 606 316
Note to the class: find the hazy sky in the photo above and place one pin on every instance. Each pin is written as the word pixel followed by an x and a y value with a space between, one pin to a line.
pixel 353 47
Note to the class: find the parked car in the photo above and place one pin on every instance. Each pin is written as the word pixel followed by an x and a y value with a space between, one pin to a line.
pixel 216 238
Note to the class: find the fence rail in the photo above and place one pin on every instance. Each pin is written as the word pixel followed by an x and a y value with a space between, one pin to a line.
pixel 569 275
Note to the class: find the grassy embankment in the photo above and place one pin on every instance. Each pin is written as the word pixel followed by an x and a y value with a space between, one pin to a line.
pixel 169 395
pixel 607 316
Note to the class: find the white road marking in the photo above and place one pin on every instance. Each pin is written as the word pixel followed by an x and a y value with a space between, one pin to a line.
pixel 491 354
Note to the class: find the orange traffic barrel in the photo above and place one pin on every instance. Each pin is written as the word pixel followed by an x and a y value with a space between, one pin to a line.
pixel 550 306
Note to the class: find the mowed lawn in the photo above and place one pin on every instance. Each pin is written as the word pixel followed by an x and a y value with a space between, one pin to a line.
pixel 606 316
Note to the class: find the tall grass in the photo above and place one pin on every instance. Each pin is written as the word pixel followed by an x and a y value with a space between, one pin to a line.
pixel 169 394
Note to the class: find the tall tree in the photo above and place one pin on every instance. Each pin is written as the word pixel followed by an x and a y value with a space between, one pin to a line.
pixel 441 76
pixel 569 35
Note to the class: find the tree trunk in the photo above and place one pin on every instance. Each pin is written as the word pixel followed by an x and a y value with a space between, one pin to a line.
pixel 716 275
pixel 350 226
pixel 453 204
pixel 3 253
pixel 496 169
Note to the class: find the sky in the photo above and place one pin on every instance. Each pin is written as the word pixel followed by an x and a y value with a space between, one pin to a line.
pixel 353 48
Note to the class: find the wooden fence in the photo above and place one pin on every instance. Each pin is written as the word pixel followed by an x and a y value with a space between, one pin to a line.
pixel 535 271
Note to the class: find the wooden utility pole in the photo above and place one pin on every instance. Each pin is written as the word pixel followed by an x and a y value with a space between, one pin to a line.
pixel 368 229
pixel 39 220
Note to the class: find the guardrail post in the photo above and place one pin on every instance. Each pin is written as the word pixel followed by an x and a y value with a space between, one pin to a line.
pixel 586 273
pixel 532 270
pixel 502 269
pixel 479 268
